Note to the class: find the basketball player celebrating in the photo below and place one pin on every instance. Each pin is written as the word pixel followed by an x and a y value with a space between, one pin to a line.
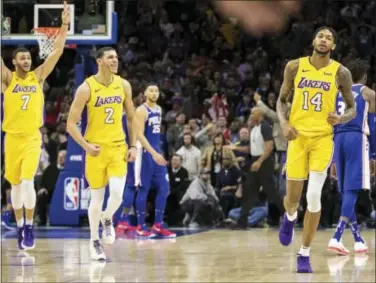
pixel 309 129
pixel 23 116
pixel 352 157
pixel 147 172
pixel 105 96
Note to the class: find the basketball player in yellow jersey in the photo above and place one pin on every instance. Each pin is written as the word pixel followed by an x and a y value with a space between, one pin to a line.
pixel 106 96
pixel 23 116
pixel 315 80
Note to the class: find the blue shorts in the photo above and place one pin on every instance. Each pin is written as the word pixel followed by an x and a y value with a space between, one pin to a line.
pixel 351 154
pixel 147 173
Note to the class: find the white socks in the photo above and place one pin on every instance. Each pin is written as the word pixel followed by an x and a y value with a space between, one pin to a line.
pixel 292 217
pixel 115 199
pixel 304 251
pixel 94 211
pixel 20 223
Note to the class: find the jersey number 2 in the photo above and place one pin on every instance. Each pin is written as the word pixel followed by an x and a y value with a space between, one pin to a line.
pixel 25 101
pixel 109 113
pixel 316 101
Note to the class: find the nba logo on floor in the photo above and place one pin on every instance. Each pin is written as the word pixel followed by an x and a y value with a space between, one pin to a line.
pixel 71 189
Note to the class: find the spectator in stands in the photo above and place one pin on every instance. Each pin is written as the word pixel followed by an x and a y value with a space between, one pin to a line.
pixel 229 180
pixel 174 132
pixel 49 179
pixel 179 183
pixel 262 168
pixel 191 156
pixel 200 203
pixel 244 107
pixel 241 149
pixel 280 141
pixel 174 112
pixel 212 158
pixel 204 138
pixel 257 215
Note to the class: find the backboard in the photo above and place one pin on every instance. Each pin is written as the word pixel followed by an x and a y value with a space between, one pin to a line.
pixel 93 22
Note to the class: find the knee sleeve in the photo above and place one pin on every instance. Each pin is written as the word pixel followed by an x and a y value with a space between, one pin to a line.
pixel 96 199
pixel 116 186
pixel 16 196
pixel 29 194
pixel 348 204
pixel 315 183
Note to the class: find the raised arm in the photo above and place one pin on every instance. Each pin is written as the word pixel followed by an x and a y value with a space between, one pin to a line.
pixel 344 82
pixel 286 88
pixel 6 74
pixel 45 69
pixel 370 96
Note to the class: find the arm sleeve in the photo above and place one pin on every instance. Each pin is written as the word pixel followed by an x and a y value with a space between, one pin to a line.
pixel 266 131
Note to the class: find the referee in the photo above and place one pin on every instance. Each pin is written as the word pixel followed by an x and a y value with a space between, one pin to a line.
pixel 262 167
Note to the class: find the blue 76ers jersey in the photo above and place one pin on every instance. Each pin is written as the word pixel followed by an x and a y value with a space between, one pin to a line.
pixel 147 173
pixel 152 130
pixel 360 122
pixel 351 151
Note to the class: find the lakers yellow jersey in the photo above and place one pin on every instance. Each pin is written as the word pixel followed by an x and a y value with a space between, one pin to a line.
pixel 104 112
pixel 23 105
pixel 314 98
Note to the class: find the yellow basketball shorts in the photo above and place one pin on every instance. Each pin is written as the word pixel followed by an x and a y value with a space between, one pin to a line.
pixel 306 154
pixel 22 155
pixel 111 162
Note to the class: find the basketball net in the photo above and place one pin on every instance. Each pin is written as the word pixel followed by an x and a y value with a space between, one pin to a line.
pixel 46 39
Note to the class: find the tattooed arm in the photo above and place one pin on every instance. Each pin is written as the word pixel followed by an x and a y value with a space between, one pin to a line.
pixel 282 103
pixel 345 82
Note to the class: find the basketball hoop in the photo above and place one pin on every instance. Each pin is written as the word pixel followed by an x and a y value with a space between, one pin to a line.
pixel 46 39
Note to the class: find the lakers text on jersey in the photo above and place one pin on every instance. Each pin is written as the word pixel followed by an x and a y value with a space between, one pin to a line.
pixel 102 123
pixel 23 117
pixel 315 92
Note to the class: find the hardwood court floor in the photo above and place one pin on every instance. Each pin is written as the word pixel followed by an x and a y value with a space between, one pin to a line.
pixel 207 256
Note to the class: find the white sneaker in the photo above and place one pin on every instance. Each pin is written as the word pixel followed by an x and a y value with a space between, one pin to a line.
pixel 96 250
pixel 337 247
pixel 360 247
pixel 108 232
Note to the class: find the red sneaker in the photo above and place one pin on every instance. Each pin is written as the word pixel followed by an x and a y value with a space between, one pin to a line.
pixel 123 227
pixel 161 230
pixel 144 231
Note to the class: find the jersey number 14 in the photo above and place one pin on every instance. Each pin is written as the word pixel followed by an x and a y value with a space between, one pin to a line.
pixel 315 101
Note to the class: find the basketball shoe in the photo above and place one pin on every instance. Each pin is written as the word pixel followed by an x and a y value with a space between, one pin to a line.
pixel 337 247
pixel 303 264
pixel 360 247
pixel 123 227
pixel 96 250
pixel 160 229
pixel 20 237
pixel 28 242
pixel 144 232
pixel 286 232
pixel 108 232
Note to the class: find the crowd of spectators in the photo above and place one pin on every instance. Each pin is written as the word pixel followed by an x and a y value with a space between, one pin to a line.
pixel 208 70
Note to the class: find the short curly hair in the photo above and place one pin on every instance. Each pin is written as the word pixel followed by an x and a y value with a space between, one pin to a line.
pixel 358 69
